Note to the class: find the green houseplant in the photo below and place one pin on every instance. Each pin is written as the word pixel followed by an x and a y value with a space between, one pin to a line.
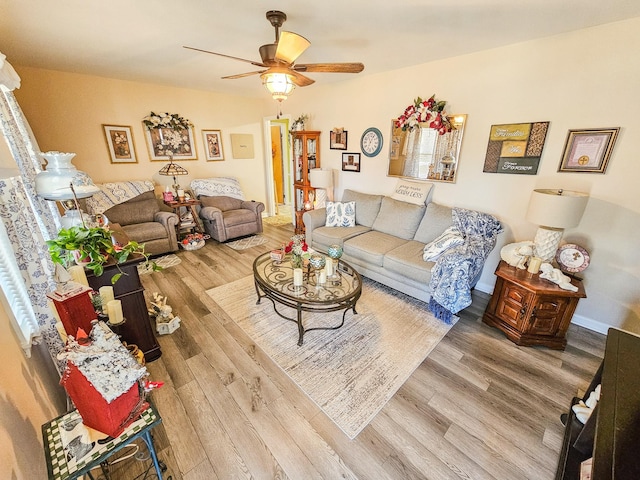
pixel 92 246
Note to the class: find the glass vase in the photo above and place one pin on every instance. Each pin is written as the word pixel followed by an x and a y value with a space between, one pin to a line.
pixel 296 260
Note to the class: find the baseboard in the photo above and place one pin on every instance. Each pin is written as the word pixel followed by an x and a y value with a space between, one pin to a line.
pixel 485 287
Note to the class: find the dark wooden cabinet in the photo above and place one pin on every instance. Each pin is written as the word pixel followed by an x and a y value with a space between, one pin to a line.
pixel 128 289
pixel 611 435
pixel 531 310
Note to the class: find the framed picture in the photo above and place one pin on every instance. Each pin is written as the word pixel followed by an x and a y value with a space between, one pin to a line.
pixel 242 145
pixel 338 140
pixel 515 148
pixel 120 143
pixel 588 150
pixel 212 145
pixel 164 142
pixel 350 162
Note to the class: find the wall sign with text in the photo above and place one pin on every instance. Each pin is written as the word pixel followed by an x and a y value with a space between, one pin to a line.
pixel 515 148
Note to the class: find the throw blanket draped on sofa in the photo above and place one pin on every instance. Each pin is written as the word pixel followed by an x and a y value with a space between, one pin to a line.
pixel 115 193
pixel 455 271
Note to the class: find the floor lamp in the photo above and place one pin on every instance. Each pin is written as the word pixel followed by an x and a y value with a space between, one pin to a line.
pixel 553 211
pixel 322 181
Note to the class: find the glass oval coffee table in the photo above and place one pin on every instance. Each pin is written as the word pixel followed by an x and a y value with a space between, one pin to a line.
pixel 274 280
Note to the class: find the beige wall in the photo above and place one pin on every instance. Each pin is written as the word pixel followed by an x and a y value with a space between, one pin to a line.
pixel 581 79
pixel 66 112
pixel 29 396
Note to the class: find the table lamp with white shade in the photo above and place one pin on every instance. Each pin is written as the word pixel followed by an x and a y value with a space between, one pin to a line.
pixel 554 210
pixel 322 181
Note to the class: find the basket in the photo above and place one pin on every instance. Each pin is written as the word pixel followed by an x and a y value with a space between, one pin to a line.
pixel 193 246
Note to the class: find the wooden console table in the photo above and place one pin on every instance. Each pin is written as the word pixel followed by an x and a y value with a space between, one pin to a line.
pixel 190 207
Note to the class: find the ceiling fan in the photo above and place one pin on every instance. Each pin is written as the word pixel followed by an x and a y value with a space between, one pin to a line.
pixel 282 74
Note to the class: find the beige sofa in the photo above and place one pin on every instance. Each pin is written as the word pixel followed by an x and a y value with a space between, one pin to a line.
pixel 388 240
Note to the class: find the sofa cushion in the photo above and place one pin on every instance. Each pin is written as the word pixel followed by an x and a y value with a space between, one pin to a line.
pixel 341 214
pixel 371 246
pixel 367 206
pixel 139 209
pixel 238 217
pixel 398 218
pixel 323 237
pixel 221 202
pixel 436 220
pixel 145 232
pixel 407 260
pixel 450 238
pixel 412 192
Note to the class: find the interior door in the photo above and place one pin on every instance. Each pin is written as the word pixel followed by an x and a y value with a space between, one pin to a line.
pixel 276 160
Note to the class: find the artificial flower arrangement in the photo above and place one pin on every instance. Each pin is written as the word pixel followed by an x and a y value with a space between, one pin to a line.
pixel 428 111
pixel 297 246
pixel 298 123
pixel 172 121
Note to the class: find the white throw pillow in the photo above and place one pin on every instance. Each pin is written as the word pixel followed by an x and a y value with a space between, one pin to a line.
pixel 411 192
pixel 341 214
pixel 450 238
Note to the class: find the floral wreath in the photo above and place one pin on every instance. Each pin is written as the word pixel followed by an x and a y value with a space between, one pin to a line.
pixel 166 120
pixel 425 111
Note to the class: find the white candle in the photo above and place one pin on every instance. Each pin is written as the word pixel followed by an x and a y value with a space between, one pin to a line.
pixel 534 264
pixel 297 277
pixel 114 309
pixel 180 193
pixel 328 267
pixel 78 275
pixel 323 277
pixel 106 295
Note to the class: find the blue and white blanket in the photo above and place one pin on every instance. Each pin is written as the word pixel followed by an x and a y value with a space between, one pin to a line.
pixel 115 193
pixel 456 270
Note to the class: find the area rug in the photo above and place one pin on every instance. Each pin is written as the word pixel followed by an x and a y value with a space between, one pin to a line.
pixel 167 261
pixel 277 220
pixel 247 242
pixel 349 373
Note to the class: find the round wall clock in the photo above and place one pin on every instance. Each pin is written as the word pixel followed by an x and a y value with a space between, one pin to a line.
pixel 572 258
pixel 371 142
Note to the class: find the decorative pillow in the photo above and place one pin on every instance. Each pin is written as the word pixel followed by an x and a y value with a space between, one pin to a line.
pixel 450 238
pixel 213 187
pixel 341 214
pixel 412 192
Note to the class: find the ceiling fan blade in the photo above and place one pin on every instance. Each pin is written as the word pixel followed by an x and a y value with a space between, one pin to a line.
pixel 242 75
pixel 301 80
pixel 257 64
pixel 329 67
pixel 290 47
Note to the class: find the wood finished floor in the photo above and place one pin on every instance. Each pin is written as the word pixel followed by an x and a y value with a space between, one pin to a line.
pixel 479 407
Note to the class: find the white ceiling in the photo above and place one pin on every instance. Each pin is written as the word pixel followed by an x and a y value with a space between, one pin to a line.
pixel 142 40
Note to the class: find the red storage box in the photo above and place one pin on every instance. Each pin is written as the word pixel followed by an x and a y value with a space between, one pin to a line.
pixel 75 311
pixel 103 380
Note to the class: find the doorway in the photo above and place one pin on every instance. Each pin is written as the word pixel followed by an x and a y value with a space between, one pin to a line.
pixel 278 169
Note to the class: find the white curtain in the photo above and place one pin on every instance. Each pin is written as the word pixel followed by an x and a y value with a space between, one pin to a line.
pixel 26 270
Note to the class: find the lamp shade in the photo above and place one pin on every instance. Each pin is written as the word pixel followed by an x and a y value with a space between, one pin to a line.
pixel 278 83
pixel 319 178
pixel 55 182
pixel 556 208
pixel 172 169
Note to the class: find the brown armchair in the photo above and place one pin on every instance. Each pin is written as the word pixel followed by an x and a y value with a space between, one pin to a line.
pixel 144 222
pixel 225 218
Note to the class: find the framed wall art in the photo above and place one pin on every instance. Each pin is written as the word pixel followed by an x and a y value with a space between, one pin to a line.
pixel 120 143
pixel 242 145
pixel 588 150
pixel 177 143
pixel 515 148
pixel 338 139
pixel 350 162
pixel 213 145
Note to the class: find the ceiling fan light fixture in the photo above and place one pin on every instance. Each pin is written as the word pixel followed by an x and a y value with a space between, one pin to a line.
pixel 279 84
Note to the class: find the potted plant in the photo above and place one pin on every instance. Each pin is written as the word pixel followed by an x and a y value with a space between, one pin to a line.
pixel 298 123
pixel 92 247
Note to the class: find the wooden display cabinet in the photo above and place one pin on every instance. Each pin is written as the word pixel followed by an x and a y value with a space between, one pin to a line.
pixel 306 156
pixel 531 310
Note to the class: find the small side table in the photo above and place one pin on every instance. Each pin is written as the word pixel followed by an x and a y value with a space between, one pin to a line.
pixel 189 206
pixel 61 458
pixel 531 310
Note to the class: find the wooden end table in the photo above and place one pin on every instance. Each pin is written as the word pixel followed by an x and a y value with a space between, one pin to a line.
pixel 189 206
pixel 531 310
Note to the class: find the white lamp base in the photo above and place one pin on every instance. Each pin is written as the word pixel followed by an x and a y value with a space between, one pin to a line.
pixel 547 242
